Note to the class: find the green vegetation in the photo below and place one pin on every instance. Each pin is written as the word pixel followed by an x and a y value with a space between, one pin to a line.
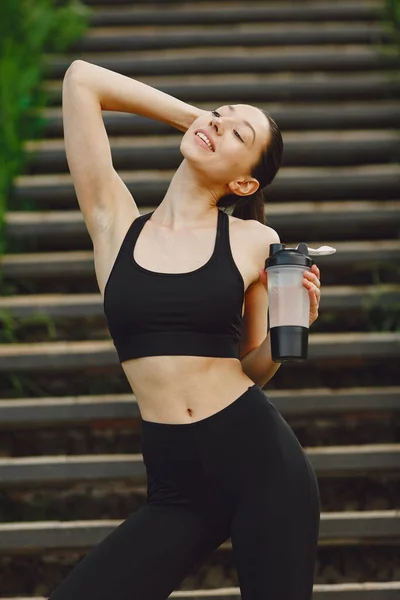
pixel 28 30
pixel 391 15
pixel 382 316
pixel 19 385
pixel 14 330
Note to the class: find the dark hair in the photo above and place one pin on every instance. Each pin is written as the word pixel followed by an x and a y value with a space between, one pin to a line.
pixel 252 207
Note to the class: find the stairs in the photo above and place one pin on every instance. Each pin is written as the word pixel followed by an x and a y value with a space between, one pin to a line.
pixel 71 466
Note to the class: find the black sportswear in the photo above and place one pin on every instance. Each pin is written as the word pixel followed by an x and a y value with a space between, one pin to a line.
pixel 198 313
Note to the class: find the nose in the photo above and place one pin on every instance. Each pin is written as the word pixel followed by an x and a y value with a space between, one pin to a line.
pixel 217 124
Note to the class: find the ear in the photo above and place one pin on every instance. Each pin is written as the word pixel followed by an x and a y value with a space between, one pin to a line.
pixel 244 186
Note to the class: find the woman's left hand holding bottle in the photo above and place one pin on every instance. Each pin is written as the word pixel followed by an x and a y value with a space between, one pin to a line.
pixel 312 282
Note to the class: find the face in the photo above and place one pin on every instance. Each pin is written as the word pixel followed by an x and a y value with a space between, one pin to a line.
pixel 225 144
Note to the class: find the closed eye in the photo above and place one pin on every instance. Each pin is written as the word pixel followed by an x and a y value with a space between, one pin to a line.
pixel 236 133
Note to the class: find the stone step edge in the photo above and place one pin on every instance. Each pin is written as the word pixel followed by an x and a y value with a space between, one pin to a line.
pixel 48 223
pixel 302 59
pixel 309 108
pixel 302 139
pixel 284 33
pixel 83 346
pixel 368 182
pixel 165 175
pixel 246 26
pixel 88 354
pixel 355 250
pixel 261 51
pixel 319 79
pixel 308 117
pixel 274 208
pixel 327 461
pixel 344 591
pixel 227 14
pixel 77 306
pixel 45 411
pixel 354 527
pixel 252 88
pixel 148 5
pixel 331 151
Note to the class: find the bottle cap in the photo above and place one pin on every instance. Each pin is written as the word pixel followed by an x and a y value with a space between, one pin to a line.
pixel 299 256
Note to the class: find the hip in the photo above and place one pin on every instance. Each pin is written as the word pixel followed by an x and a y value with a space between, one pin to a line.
pixel 246 445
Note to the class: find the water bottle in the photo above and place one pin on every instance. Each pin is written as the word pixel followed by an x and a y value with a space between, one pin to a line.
pixel 289 301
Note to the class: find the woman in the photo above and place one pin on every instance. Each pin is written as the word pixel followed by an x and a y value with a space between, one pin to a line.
pixel 186 301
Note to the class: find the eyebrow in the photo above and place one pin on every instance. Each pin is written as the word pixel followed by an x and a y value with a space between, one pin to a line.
pixel 232 109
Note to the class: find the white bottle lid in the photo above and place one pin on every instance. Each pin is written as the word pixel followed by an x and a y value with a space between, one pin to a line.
pixel 321 251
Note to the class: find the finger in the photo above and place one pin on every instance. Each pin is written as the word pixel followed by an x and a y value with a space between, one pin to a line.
pixel 313 289
pixel 317 271
pixel 317 295
pixel 312 292
pixel 313 277
pixel 314 304
pixel 310 281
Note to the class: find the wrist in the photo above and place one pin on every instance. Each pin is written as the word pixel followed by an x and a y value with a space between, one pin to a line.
pixel 189 115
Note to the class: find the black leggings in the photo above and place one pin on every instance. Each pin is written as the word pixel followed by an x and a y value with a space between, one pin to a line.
pixel 239 473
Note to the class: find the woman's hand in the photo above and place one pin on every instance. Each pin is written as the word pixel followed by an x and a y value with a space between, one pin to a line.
pixel 311 281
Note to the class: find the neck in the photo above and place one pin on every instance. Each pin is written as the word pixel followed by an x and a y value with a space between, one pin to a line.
pixel 189 201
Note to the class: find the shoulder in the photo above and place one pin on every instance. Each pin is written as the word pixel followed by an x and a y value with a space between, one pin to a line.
pixel 254 239
pixel 258 235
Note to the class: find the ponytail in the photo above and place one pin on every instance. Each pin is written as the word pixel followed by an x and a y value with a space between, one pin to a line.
pixel 245 207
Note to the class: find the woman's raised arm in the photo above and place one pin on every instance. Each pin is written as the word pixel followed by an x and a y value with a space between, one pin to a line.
pixel 124 94
pixel 88 90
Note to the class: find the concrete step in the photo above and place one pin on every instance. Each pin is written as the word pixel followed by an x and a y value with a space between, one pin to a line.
pixel 369 182
pixel 254 88
pixel 117 498
pixel 123 437
pixel 354 256
pixel 327 461
pixel 372 527
pixel 65 356
pixel 82 410
pixel 342 220
pixel 336 591
pixel 314 149
pixel 231 13
pixel 80 306
pixel 140 38
pixel 235 60
pixel 290 116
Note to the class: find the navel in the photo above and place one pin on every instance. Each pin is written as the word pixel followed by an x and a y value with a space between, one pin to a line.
pixel 189 412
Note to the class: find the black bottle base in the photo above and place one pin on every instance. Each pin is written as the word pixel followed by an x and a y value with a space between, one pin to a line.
pixel 289 343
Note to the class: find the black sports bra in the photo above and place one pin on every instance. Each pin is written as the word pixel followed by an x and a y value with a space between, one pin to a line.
pixel 198 313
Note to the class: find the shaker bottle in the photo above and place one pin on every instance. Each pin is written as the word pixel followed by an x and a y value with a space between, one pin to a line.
pixel 289 301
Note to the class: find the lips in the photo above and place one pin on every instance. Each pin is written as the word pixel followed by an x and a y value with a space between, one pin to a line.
pixel 206 138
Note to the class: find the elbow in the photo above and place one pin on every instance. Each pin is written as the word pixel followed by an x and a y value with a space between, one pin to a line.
pixel 248 368
pixel 74 70
pixel 72 83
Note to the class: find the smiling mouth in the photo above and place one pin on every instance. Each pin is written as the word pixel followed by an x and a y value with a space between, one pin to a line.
pixel 205 139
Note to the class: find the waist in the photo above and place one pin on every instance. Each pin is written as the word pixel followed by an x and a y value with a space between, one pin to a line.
pixel 183 389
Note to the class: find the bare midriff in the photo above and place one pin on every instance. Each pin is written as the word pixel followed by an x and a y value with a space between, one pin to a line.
pixel 184 389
